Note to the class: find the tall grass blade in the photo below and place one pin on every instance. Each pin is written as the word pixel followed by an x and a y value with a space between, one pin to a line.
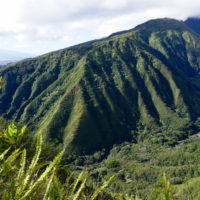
pixel 22 165
pixel 76 196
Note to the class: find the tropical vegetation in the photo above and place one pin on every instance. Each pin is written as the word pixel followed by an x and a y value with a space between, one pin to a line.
pixel 117 118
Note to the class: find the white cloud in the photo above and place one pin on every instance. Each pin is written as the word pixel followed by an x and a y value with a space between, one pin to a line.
pixel 45 25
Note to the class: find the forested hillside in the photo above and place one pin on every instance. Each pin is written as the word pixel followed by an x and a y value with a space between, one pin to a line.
pixel 96 94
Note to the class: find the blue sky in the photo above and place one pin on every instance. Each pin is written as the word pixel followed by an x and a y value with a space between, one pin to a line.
pixel 40 26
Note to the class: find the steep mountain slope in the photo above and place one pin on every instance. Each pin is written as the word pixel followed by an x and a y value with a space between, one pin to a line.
pixel 193 23
pixel 93 95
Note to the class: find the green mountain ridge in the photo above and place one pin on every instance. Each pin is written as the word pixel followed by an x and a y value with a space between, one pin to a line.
pixel 193 23
pixel 96 94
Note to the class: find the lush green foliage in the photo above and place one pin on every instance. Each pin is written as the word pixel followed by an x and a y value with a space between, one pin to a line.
pixel 96 94
pixel 17 182
pixel 139 168
pixel 11 136
pixel 22 178
pixel 140 86
pixel 35 180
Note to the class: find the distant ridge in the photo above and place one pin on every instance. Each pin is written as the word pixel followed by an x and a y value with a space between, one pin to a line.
pixel 193 23
pixel 7 56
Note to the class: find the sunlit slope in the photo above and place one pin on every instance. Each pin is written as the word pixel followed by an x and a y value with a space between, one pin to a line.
pixel 93 95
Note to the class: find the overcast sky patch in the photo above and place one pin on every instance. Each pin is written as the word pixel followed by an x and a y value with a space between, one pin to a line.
pixel 40 26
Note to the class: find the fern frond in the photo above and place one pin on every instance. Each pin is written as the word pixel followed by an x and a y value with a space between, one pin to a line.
pixel 12 157
pixel 22 165
pixel 37 153
pixel 4 153
pixel 77 194
pixel 76 182
pixel 101 188
pixel 59 190
pixel 33 163
pixel 48 186
pixel 56 161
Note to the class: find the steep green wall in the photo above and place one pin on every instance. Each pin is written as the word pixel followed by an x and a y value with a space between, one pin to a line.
pixel 93 95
